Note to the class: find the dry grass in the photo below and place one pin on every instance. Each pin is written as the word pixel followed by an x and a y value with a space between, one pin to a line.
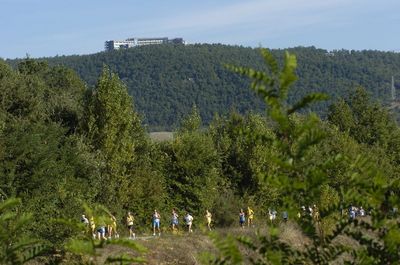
pixel 177 249
pixel 184 248
pixel 292 235
pixel 161 136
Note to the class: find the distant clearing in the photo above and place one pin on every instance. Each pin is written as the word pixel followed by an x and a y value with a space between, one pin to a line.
pixel 161 136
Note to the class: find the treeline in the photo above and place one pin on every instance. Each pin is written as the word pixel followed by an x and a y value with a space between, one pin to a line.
pixel 167 80
pixel 64 145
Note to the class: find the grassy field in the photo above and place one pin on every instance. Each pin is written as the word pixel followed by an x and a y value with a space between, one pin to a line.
pixel 161 136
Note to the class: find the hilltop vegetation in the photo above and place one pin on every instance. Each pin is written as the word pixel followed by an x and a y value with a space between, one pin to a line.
pixel 167 80
pixel 68 149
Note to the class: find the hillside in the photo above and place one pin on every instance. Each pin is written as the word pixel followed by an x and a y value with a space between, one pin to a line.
pixel 166 81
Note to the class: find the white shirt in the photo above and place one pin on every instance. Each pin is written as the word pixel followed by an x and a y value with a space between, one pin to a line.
pixel 189 219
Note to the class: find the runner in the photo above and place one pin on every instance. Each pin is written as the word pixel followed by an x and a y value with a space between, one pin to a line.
pixel 208 219
pixel 285 216
pixel 93 227
pixel 250 216
pixel 156 223
pixel 129 223
pixel 362 212
pixel 174 220
pixel 112 227
pixel 242 218
pixel 315 213
pixel 101 232
pixel 272 215
pixel 84 220
pixel 189 222
pixel 114 224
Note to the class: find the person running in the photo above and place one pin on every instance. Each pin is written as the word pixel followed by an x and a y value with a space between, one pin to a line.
pixel 156 223
pixel 84 220
pixel 92 227
pixel 299 214
pixel 362 211
pixel 285 216
pixel 310 211
pixel 129 223
pixel 315 213
pixel 352 213
pixel 208 219
pixel 250 216
pixel 189 222
pixel 112 227
pixel 101 232
pixel 109 228
pixel 174 220
pixel 303 211
pixel 242 218
pixel 272 215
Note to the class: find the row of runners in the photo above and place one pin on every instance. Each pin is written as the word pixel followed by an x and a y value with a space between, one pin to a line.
pixel 103 231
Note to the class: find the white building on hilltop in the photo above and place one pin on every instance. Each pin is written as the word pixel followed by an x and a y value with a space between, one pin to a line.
pixel 134 42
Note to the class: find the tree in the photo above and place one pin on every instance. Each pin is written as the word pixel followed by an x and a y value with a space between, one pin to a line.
pixel 367 121
pixel 193 174
pixel 115 132
pixel 296 175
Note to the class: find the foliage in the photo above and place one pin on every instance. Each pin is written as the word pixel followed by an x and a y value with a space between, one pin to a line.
pixel 193 175
pixel 294 176
pixel 15 247
pixel 115 131
pixel 63 143
pixel 367 122
pixel 88 248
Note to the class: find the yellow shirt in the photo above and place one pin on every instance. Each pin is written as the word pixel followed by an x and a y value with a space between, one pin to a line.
pixel 250 213
pixel 92 224
pixel 129 220
pixel 114 222
pixel 208 217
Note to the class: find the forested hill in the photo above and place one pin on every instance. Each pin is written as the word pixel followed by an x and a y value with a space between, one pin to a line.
pixel 167 80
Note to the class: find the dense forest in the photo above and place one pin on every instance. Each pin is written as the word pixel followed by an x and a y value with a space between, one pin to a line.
pixel 68 148
pixel 168 80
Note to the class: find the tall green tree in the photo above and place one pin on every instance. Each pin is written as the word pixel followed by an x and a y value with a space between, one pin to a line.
pixel 42 161
pixel 114 130
pixel 193 167
pixel 367 121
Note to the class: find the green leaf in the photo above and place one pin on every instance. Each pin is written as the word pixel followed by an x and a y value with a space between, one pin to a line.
pixel 306 101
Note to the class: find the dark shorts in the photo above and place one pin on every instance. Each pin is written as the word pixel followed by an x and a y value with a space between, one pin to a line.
pixel 130 227
pixel 101 230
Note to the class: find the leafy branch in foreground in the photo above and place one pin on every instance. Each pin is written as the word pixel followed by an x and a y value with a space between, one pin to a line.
pixel 15 248
pixel 89 249
pixel 295 136
pixel 298 175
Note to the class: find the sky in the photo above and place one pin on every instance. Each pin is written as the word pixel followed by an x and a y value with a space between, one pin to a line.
pixel 43 28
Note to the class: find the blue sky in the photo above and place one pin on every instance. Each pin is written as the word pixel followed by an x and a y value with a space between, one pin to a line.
pixel 54 27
